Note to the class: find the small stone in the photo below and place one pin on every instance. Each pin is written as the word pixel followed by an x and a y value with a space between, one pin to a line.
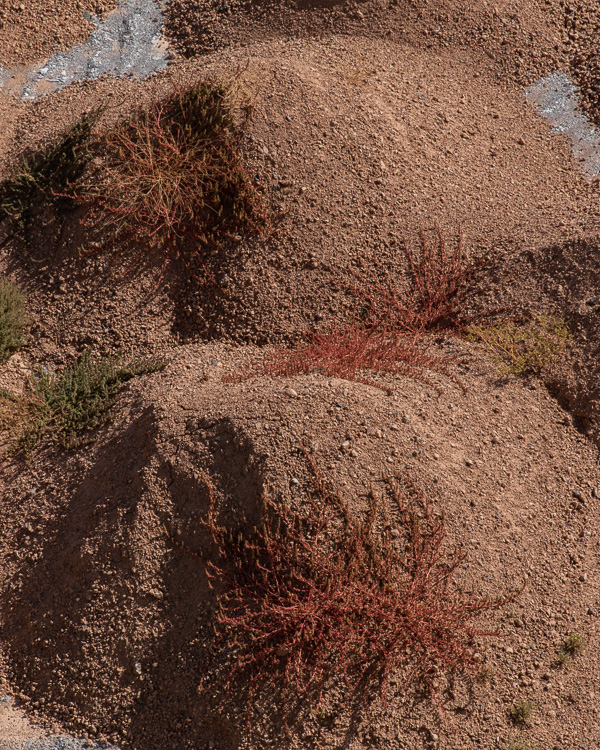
pixel 583 577
pixel 591 611
pixel 406 418
pixel 595 492
pixel 293 480
pixel 291 393
pixel 354 453
pixel 578 494
pixel 345 445
pixel 469 462
pixel 395 533
pixel 518 623
pixel 137 667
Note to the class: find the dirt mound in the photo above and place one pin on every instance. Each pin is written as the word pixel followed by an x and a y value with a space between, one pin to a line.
pixel 357 145
pixel 524 40
pixel 105 618
pixel 370 122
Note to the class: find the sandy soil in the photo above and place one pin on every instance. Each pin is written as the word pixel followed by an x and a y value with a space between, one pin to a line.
pixel 372 121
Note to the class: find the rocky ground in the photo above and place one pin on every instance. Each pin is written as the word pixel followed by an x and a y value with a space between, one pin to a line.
pixel 371 122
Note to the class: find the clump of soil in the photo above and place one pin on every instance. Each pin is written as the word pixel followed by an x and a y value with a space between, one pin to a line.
pixel 524 42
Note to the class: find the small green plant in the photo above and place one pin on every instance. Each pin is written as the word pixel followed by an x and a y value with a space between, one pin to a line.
pixel 521 711
pixel 573 644
pixel 48 175
pixel 13 319
pixel 485 675
pixel 61 406
pixel 518 743
pixel 523 349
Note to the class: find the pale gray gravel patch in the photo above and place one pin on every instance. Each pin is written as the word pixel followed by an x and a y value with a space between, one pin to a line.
pixel 60 742
pixel 127 42
pixel 555 97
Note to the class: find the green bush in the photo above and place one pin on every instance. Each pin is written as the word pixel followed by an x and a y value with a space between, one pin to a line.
pixel 61 406
pixel 13 320
pixel 48 175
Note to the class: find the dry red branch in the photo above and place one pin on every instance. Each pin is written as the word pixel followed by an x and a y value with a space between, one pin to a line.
pixel 391 334
pixel 315 594
pixel 346 352
pixel 435 299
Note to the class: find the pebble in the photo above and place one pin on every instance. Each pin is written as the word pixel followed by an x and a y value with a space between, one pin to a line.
pixel 291 393
pixel 578 494
pixel 469 462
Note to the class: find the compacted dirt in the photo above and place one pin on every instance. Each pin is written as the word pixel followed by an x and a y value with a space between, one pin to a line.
pixel 371 121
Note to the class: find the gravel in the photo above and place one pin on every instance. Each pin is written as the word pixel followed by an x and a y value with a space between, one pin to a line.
pixel 556 99
pixel 126 42
pixel 60 742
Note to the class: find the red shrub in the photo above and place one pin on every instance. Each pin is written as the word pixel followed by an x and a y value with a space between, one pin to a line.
pixel 314 595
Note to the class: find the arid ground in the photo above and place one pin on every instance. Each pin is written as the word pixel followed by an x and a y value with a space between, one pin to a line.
pixel 371 122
